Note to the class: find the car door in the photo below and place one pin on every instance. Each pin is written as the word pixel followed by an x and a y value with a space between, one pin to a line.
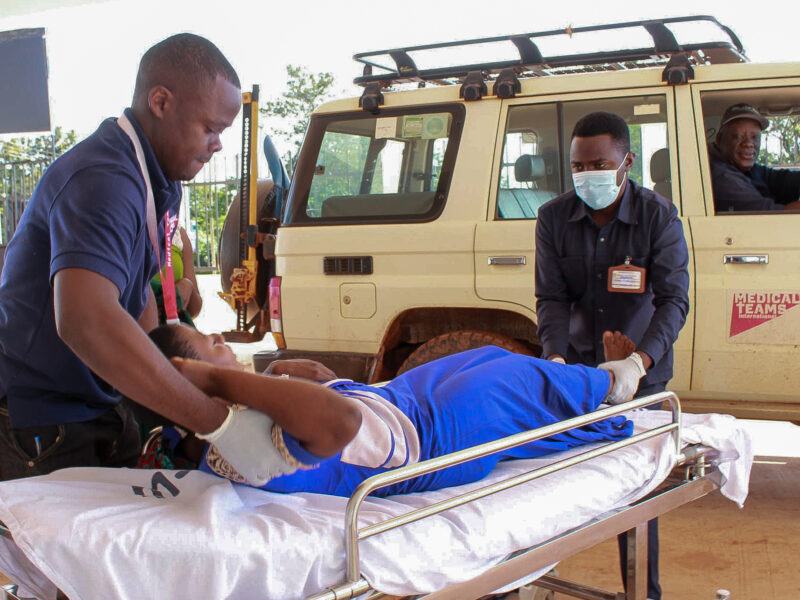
pixel 532 166
pixel 747 344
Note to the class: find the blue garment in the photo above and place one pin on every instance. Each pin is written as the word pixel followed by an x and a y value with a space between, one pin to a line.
pixel 467 399
pixel 573 255
pixel 759 189
pixel 88 211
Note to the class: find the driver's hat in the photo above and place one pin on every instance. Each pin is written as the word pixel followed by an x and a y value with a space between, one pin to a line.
pixel 743 111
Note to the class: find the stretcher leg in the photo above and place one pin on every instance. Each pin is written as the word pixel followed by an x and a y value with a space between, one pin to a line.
pixel 636 569
pixel 9 592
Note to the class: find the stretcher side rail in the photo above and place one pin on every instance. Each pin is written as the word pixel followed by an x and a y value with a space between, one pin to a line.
pixel 359 585
pixel 355 585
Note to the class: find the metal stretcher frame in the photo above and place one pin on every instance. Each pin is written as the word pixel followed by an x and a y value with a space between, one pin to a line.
pixel 694 483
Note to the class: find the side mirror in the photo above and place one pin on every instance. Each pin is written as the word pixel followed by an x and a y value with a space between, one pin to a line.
pixel 276 169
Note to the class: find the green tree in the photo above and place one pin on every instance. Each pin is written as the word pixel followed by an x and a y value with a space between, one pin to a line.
pixel 636 173
pixel 781 143
pixel 305 91
pixel 208 205
pixel 38 148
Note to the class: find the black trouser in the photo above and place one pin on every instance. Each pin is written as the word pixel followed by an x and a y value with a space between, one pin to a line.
pixel 653 586
pixel 110 440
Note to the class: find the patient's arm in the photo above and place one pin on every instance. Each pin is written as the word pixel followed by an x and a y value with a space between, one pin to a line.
pixel 301 367
pixel 319 418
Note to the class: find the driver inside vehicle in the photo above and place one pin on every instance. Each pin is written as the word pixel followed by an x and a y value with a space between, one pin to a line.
pixel 739 182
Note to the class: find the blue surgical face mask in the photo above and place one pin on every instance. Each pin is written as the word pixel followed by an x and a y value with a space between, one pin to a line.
pixel 598 189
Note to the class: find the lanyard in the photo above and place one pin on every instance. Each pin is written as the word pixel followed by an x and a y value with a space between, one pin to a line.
pixel 170 222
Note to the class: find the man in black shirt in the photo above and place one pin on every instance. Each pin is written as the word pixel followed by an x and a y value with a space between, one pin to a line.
pixel 739 183
pixel 611 256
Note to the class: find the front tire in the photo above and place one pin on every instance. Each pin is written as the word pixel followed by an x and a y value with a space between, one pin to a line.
pixel 453 342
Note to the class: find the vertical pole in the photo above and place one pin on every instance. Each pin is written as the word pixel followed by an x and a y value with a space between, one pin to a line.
pixel 636 569
pixel 248 192
pixel 244 198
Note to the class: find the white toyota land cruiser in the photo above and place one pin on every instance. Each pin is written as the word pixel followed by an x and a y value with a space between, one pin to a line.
pixel 408 231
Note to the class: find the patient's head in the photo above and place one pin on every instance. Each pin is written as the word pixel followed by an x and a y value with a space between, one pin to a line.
pixel 185 342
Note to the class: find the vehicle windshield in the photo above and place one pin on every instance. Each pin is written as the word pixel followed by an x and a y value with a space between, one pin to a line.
pixel 374 167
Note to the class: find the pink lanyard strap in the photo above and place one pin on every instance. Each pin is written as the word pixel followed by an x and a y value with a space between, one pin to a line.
pixel 167 275
pixel 170 222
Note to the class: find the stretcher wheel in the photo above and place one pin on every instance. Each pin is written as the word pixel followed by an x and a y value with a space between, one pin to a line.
pixel 453 342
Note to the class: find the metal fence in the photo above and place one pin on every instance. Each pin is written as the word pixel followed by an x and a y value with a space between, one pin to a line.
pixel 205 203
pixel 17 180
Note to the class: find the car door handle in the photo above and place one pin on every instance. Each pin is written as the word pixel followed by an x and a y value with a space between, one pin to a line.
pixel 746 259
pixel 507 260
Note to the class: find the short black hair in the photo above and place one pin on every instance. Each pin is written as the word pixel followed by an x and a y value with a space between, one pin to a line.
pixel 169 340
pixel 601 123
pixel 184 59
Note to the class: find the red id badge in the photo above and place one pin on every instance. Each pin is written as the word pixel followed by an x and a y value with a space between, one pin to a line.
pixel 627 278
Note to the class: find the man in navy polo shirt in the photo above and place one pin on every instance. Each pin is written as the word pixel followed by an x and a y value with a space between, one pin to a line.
pixel 611 256
pixel 75 299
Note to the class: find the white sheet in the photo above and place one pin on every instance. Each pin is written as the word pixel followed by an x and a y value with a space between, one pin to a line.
pixel 86 530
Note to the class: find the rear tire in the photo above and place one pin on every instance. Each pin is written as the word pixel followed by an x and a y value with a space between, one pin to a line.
pixel 453 342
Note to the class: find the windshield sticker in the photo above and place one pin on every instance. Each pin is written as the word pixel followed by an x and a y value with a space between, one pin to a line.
pixel 385 127
pixel 647 109
pixel 764 317
pixel 412 126
pixel 434 126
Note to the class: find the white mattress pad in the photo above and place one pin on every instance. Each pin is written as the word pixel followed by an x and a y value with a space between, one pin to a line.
pixel 111 533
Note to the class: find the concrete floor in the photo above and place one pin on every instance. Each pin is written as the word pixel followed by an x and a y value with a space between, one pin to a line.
pixel 711 544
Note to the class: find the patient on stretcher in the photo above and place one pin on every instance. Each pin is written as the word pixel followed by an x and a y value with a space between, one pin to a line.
pixel 329 438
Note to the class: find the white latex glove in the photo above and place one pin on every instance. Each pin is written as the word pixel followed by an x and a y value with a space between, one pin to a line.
pixel 245 440
pixel 558 359
pixel 627 373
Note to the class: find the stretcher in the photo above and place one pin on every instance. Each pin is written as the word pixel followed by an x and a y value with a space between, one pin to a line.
pixel 179 534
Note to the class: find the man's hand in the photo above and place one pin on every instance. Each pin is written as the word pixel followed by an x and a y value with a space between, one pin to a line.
pixel 201 374
pixel 301 367
pixel 245 440
pixel 792 206
pixel 627 373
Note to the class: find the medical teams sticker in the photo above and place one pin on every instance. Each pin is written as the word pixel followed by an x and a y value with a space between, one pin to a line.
pixel 764 317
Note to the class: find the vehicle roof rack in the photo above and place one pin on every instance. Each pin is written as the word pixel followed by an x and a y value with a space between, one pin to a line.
pixel 532 64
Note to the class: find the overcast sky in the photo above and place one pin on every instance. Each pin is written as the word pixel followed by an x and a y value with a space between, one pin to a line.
pixel 94 49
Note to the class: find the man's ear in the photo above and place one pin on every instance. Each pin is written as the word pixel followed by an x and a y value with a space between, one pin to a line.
pixel 629 160
pixel 159 100
pixel 626 165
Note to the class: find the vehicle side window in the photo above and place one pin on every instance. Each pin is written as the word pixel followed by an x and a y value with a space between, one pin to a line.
pixel 646 117
pixel 536 166
pixel 753 171
pixel 372 168
pixel 529 173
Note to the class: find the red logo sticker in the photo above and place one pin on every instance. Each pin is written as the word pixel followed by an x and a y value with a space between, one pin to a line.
pixel 751 309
